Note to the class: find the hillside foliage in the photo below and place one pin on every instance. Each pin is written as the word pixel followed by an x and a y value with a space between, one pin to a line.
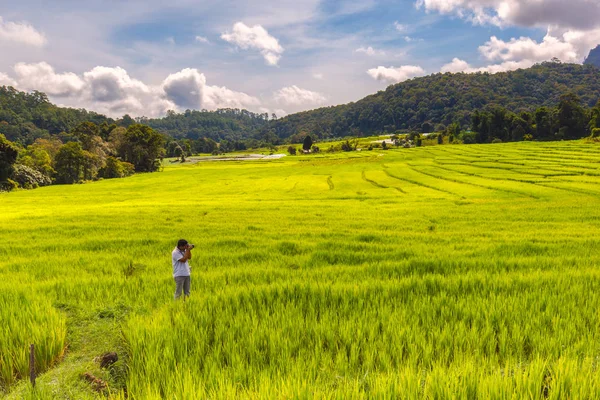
pixel 442 99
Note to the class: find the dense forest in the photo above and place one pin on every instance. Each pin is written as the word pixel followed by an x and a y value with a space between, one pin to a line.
pixel 424 104
pixel 223 124
pixel 25 117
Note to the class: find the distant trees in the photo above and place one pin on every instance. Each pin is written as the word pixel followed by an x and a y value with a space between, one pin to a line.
pixel 8 157
pixel 86 157
pixel 568 120
pixel 307 143
pixel 142 147
pixel 573 121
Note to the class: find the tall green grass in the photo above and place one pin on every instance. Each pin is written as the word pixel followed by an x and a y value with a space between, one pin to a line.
pixel 438 272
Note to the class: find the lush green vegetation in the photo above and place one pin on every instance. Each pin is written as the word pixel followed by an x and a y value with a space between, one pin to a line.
pixel 431 272
pixel 25 117
pixel 422 104
pixel 428 104
pixel 223 124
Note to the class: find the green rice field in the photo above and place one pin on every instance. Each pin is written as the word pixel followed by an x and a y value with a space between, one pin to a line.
pixel 440 272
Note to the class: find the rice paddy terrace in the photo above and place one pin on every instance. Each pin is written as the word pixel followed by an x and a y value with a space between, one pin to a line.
pixel 436 272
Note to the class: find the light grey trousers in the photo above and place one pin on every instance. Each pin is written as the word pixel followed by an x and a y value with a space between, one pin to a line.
pixel 182 284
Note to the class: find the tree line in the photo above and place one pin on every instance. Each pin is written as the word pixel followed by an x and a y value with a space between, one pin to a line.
pixel 569 120
pixel 92 152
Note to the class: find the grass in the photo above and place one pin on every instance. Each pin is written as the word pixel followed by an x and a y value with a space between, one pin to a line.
pixel 437 272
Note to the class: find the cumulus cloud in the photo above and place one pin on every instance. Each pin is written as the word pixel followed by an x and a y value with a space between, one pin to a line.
pixel 395 75
pixel 400 27
pixel 255 37
pixel 41 76
pixel 570 46
pixel 202 39
pixel 370 51
pixel 20 33
pixel 187 89
pixel 294 96
pixel 573 14
pixel 6 80
pixel 458 65
pixel 110 90
pixel 526 48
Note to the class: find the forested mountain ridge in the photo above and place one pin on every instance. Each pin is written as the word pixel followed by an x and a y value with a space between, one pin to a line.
pixel 25 117
pixel 223 124
pixel 421 105
pixel 445 99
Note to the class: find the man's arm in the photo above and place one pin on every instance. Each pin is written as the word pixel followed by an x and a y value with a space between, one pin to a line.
pixel 186 256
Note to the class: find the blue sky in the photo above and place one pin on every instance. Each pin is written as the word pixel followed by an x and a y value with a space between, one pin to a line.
pixel 145 57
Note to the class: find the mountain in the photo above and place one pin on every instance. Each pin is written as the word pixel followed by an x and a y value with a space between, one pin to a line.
pixel 444 99
pixel 594 57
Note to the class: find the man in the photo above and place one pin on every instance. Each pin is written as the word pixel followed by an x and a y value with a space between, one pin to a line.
pixel 181 268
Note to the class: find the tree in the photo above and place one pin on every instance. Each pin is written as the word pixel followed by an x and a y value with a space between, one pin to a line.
pixel 427 127
pixel 116 169
pixel 595 116
pixel 572 118
pixel 544 126
pixel 69 163
pixel 126 121
pixel 307 143
pixel 292 150
pixel 8 156
pixel 142 147
pixel 440 138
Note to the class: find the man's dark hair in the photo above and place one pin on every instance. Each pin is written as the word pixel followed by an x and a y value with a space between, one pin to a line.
pixel 182 242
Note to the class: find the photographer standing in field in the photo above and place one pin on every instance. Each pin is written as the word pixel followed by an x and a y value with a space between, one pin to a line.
pixel 181 268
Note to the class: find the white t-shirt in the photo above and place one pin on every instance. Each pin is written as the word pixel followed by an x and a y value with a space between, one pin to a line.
pixel 179 268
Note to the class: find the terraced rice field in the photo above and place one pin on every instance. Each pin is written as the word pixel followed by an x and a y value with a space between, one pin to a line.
pixel 437 272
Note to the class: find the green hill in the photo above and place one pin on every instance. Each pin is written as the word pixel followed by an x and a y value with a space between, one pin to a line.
pixel 25 117
pixel 444 99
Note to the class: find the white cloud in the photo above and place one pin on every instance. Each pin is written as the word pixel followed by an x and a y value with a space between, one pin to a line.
pixel 255 37
pixel 113 92
pixel 370 51
pixel 221 97
pixel 573 14
pixel 526 48
pixel 202 39
pixel 568 46
pixel 318 76
pixel 395 75
pixel 41 76
pixel 187 89
pixel 293 95
pixel 400 27
pixel 458 65
pixel 21 33
pixel 6 80
pixel 409 39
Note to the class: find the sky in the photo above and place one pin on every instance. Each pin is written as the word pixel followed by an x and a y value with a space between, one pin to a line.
pixel 145 57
